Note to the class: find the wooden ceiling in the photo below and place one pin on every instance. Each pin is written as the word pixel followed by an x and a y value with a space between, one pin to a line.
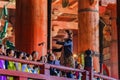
pixel 59 14
pixel 68 13
pixel 4 2
pixel 62 14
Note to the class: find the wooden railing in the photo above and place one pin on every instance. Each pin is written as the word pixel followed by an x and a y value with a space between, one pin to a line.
pixel 45 73
pixel 103 77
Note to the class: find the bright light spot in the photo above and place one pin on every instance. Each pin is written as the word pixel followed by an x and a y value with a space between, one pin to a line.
pixel 74 55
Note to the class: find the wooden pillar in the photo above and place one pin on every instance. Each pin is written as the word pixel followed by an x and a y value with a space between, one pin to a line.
pixel 118 29
pixel 75 41
pixel 114 42
pixel 88 28
pixel 31 25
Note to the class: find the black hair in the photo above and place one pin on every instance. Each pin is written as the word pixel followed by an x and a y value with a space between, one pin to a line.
pixel 69 32
pixel 24 58
pixel 77 65
pixel 33 53
pixel 41 58
pixel 88 52
pixel 18 54
pixel 28 55
pixel 1 46
pixel 48 58
pixel 8 51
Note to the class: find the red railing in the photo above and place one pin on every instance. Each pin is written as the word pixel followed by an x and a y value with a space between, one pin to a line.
pixel 45 73
pixel 103 76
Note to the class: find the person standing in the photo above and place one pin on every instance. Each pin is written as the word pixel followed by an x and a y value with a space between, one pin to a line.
pixel 2 62
pixel 66 58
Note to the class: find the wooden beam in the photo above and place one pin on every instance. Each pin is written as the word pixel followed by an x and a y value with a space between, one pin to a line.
pixel 65 25
pixel 10 5
pixel 55 2
pixel 73 4
pixel 66 17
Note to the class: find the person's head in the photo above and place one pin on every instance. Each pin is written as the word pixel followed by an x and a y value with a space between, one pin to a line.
pixel 51 57
pixel 79 66
pixel 19 55
pixel 25 58
pixel 29 57
pixel 35 55
pixel 88 52
pixel 68 34
pixel 10 52
pixel 2 50
pixel 43 59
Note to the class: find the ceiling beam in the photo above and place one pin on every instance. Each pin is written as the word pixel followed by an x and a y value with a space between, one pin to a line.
pixel 67 17
pixel 64 25
pixel 10 5
pixel 73 4
pixel 55 2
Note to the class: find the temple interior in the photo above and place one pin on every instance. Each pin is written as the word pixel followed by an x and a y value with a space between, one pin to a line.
pixel 30 25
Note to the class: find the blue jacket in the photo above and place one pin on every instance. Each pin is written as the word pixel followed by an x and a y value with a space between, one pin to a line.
pixel 67 45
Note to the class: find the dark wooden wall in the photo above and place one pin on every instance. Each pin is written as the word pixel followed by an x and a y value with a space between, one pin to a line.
pixel 118 24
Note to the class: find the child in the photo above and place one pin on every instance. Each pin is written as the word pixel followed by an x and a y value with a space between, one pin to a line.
pixel 43 59
pixel 51 60
pixel 9 64
pixel 25 66
pixel 2 63
pixel 35 55
pixel 18 65
pixel 30 67
pixel 78 75
pixel 35 58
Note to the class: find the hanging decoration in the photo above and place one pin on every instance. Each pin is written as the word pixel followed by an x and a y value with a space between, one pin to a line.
pixel 82 59
pixel 10 45
pixel 3 32
pixel 4 13
pixel 12 1
pixel 65 3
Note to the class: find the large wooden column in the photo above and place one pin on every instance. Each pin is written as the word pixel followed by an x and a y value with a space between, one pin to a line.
pixel 88 28
pixel 114 42
pixel 31 25
pixel 118 29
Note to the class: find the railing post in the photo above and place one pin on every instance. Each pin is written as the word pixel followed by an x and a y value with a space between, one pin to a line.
pixel 46 70
pixel 88 63
pixel 90 73
pixel 21 78
pixel 85 75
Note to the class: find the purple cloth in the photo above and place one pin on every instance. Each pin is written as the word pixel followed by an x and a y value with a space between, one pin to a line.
pixel 2 66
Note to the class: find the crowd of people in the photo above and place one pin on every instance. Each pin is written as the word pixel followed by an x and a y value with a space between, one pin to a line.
pixel 66 59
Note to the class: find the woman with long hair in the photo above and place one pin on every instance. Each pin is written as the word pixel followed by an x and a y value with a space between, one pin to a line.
pixel 66 58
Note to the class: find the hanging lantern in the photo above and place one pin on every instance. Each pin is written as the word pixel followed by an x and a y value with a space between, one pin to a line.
pixel 65 3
